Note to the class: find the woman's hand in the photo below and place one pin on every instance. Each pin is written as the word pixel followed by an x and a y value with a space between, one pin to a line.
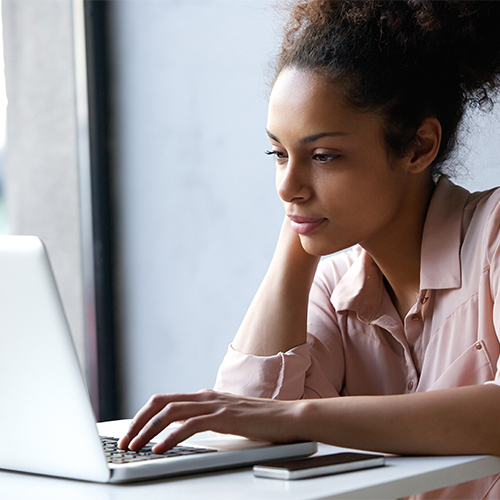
pixel 254 418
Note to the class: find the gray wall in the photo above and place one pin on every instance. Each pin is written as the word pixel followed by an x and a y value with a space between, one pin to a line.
pixel 198 212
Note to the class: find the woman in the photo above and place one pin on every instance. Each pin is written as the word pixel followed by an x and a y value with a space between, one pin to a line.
pixel 363 114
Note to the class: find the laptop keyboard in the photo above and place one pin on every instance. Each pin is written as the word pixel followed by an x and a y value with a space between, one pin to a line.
pixel 115 455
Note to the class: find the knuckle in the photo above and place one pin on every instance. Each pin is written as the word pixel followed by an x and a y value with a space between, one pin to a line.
pixel 225 411
pixel 157 400
pixel 170 408
pixel 207 394
pixel 169 411
pixel 195 424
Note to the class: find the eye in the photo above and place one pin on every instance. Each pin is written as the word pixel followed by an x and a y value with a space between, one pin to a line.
pixel 279 155
pixel 325 158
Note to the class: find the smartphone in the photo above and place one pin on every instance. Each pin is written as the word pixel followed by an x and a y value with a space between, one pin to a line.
pixel 318 466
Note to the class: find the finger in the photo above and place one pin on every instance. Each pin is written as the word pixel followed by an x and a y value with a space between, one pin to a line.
pixel 172 412
pixel 155 404
pixel 192 426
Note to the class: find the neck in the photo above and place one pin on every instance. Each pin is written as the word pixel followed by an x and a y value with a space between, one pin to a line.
pixel 397 252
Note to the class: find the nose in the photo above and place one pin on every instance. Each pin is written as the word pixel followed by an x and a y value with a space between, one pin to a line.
pixel 292 183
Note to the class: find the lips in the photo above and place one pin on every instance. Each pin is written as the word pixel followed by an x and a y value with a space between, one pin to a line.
pixel 305 225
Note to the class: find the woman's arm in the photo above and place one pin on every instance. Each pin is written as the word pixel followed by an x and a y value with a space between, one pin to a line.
pixel 277 318
pixel 461 420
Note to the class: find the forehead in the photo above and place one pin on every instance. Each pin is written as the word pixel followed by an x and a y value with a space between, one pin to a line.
pixel 305 103
pixel 294 86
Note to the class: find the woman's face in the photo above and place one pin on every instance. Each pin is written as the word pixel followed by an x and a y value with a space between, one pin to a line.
pixel 332 170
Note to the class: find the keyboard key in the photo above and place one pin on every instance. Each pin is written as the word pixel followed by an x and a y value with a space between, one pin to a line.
pixel 115 455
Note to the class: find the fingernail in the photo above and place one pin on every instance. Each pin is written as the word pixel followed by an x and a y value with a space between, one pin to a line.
pixel 134 444
pixel 123 442
pixel 158 449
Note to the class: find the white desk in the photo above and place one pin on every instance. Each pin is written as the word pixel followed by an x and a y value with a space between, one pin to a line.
pixel 402 476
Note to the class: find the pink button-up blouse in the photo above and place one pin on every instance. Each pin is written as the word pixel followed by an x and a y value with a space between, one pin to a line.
pixel 358 345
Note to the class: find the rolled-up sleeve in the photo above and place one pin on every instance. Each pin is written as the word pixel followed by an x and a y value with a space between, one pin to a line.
pixel 278 377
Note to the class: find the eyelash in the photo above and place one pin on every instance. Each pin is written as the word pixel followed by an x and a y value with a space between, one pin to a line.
pixel 274 153
pixel 325 157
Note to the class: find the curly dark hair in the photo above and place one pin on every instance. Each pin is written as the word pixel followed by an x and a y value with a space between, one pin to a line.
pixel 404 59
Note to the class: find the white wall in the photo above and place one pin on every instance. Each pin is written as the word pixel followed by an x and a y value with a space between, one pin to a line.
pixel 198 212
pixel 478 155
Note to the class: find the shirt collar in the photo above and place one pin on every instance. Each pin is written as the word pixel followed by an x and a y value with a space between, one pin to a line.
pixel 442 238
pixel 361 289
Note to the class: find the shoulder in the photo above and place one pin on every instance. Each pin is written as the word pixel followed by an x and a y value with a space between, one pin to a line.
pixel 483 202
pixel 481 222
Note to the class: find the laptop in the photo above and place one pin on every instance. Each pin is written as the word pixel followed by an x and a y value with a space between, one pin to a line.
pixel 47 425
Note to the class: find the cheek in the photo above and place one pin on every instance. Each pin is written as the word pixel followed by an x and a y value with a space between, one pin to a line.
pixel 364 200
pixel 380 202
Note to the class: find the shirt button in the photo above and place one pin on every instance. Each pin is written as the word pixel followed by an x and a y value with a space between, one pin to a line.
pixel 478 346
pixel 410 385
pixel 423 300
pixel 415 317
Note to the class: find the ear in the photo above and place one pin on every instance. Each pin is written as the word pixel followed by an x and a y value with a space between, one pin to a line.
pixel 427 142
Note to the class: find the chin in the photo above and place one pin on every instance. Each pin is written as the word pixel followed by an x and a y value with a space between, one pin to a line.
pixel 320 248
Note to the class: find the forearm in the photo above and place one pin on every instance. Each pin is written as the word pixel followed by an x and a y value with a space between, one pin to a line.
pixel 277 318
pixel 456 421
pixel 462 420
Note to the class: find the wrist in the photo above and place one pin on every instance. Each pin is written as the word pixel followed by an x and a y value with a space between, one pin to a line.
pixel 301 421
pixel 291 253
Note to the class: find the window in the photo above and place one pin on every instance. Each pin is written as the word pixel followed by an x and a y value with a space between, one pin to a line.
pixel 3 110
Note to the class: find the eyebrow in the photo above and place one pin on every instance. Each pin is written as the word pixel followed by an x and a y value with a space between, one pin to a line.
pixel 310 138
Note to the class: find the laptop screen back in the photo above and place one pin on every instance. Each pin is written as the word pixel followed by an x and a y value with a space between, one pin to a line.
pixel 46 424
